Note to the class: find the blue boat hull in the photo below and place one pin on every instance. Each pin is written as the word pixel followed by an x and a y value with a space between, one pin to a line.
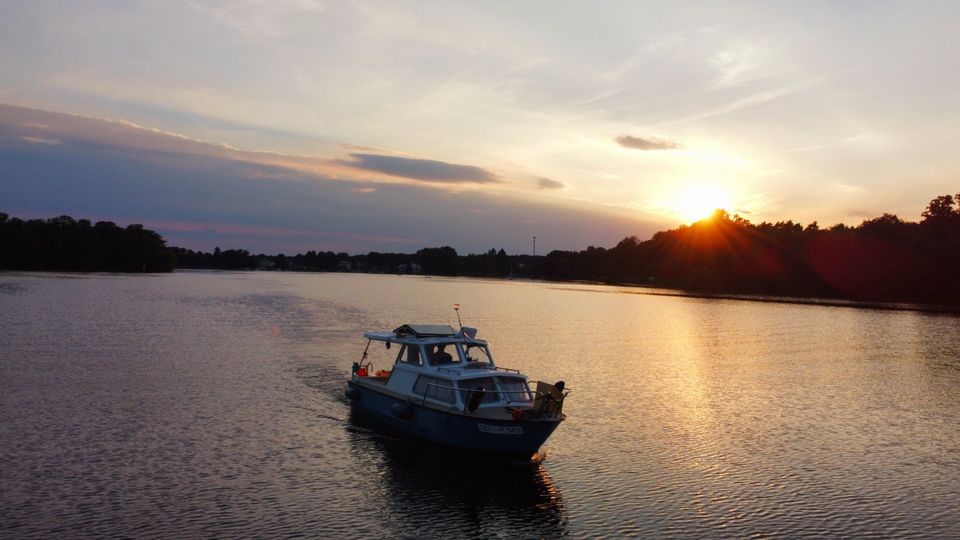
pixel 496 438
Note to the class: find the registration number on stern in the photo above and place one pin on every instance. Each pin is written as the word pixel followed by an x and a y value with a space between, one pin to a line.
pixel 500 430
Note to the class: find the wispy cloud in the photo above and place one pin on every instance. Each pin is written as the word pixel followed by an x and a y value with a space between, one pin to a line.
pixel 740 65
pixel 33 139
pixel 546 183
pixel 266 20
pixel 747 102
pixel 426 170
pixel 641 143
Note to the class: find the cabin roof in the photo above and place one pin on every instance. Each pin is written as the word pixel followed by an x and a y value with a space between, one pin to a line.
pixel 425 330
pixel 427 334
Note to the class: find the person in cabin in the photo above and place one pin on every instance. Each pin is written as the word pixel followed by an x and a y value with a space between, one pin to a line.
pixel 440 356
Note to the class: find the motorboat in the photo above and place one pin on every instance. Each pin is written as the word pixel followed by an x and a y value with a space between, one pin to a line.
pixel 442 385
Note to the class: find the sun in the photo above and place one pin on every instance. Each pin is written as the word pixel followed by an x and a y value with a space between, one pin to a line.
pixel 699 201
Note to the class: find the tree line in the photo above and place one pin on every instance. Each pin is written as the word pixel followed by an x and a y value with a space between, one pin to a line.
pixel 68 245
pixel 884 259
pixel 441 261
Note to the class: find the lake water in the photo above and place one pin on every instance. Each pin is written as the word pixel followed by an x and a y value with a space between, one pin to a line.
pixel 211 405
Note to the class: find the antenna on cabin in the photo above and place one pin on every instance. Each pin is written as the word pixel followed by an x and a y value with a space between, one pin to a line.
pixel 456 307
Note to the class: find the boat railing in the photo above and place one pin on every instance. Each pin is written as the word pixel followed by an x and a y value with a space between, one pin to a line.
pixel 496 368
pixel 469 365
pixel 449 370
pixel 531 395
pixel 508 370
pixel 547 399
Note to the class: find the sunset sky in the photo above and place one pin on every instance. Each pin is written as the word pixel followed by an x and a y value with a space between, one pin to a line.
pixel 357 126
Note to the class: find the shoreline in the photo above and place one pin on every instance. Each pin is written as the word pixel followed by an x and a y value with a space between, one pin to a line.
pixel 654 290
pixel 812 301
pixel 634 288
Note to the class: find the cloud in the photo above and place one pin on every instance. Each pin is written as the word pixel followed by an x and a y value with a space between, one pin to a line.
pixel 40 140
pixel 200 195
pixel 426 170
pixel 748 102
pixel 639 143
pixel 46 127
pixel 546 183
pixel 37 126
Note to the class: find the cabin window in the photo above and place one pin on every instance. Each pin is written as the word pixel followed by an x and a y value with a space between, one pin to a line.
pixel 410 354
pixel 444 353
pixel 434 388
pixel 477 353
pixel 515 389
pixel 490 394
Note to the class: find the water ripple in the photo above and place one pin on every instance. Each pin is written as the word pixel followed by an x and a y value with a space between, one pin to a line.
pixel 211 405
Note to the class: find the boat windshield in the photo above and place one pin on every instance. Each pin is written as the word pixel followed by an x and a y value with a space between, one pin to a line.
pixel 515 389
pixel 485 385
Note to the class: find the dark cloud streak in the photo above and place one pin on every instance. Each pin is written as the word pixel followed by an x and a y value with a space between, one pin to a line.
pixel 426 170
pixel 640 143
pixel 546 183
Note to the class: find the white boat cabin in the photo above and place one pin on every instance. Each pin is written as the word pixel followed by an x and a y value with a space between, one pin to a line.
pixel 439 366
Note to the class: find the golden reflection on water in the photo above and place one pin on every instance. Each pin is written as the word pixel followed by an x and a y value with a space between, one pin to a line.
pixel 687 417
pixel 691 414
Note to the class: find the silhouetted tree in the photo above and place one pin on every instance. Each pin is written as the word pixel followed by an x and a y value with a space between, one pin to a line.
pixel 440 261
pixel 65 244
pixel 939 208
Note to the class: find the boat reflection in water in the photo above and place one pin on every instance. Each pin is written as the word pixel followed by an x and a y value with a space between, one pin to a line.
pixel 431 491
